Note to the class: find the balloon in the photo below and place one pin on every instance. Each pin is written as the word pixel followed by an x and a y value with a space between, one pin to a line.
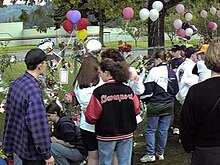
pixel 158 5
pixel 180 8
pixel 194 28
pixel 82 34
pixel 177 24
pixel 188 17
pixel 213 10
pixel 181 33
pixel 203 14
pixel 144 14
pixel 154 14
pixel 74 16
pixel 216 26
pixel 189 32
pixel 128 13
pixel 68 14
pixel 211 25
pixel 82 24
pixel 68 26
pixel 218 14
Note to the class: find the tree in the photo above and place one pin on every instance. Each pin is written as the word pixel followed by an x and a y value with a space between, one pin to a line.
pixel 135 28
pixel 202 23
pixel 169 28
pixel 156 29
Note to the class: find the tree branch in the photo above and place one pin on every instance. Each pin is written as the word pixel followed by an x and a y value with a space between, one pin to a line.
pixel 171 3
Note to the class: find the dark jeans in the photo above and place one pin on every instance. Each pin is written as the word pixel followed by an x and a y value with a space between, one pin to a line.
pixel 177 112
pixel 33 162
pixel 206 156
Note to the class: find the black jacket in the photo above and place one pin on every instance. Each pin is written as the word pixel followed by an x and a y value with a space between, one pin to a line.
pixel 200 123
pixel 66 130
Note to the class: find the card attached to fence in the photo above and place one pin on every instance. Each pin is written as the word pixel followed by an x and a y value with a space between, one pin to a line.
pixel 63 76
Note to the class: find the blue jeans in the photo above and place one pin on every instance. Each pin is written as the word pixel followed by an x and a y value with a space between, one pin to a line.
pixel 122 147
pixel 160 124
pixel 65 155
pixel 17 160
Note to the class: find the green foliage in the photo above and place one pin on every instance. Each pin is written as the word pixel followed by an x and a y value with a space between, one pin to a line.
pixel 202 23
pixel 135 28
pixel 171 15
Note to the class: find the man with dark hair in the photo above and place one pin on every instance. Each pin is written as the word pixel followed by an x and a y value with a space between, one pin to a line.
pixel 185 80
pixel 174 64
pixel 26 129
pixel 177 59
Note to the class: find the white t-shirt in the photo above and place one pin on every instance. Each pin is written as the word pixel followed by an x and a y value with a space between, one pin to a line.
pixel 203 71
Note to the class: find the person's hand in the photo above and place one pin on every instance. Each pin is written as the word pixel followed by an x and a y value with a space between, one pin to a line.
pixel 133 74
pixel 53 139
pixel 50 161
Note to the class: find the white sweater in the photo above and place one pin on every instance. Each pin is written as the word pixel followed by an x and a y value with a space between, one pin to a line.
pixel 185 79
pixel 83 96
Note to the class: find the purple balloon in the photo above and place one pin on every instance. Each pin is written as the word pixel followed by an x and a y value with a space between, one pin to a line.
pixel 68 14
pixel 181 33
pixel 74 16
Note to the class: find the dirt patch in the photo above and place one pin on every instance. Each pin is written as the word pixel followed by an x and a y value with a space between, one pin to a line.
pixel 174 153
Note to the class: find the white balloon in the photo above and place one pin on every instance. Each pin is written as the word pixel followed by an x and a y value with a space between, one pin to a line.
pixel 218 14
pixel 188 17
pixel 213 10
pixel 158 5
pixel 144 14
pixel 189 32
pixel 154 14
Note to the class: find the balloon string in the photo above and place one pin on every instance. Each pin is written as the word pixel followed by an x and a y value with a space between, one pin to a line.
pixel 71 36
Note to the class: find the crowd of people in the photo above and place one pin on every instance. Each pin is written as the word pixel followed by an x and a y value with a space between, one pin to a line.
pixel 180 93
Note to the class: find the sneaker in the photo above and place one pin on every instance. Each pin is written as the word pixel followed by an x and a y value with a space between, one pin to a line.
pixel 160 157
pixel 176 131
pixel 148 158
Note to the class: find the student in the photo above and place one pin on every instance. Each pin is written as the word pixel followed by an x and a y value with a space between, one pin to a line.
pixel 86 81
pixel 160 87
pixel 200 68
pixel 135 81
pixel 113 109
pixel 67 146
pixel 200 124
pixel 26 129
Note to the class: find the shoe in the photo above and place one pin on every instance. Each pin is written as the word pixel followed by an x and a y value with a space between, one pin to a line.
pixel 148 158
pixel 176 131
pixel 160 157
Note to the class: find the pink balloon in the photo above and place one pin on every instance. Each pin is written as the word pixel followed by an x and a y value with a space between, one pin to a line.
pixel 203 14
pixel 128 13
pixel 180 8
pixel 216 26
pixel 177 24
pixel 181 33
pixel 211 25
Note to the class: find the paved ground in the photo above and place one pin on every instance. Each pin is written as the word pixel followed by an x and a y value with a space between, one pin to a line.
pixel 21 53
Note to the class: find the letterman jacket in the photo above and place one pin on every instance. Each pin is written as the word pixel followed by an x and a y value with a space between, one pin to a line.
pixel 113 109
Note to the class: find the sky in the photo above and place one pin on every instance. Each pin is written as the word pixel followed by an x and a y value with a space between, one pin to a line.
pixel 8 2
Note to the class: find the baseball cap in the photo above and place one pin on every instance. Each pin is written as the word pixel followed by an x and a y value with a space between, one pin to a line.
pixel 176 48
pixel 203 48
pixel 34 57
pixel 189 51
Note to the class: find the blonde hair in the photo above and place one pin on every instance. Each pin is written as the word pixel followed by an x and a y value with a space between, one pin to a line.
pixel 212 55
